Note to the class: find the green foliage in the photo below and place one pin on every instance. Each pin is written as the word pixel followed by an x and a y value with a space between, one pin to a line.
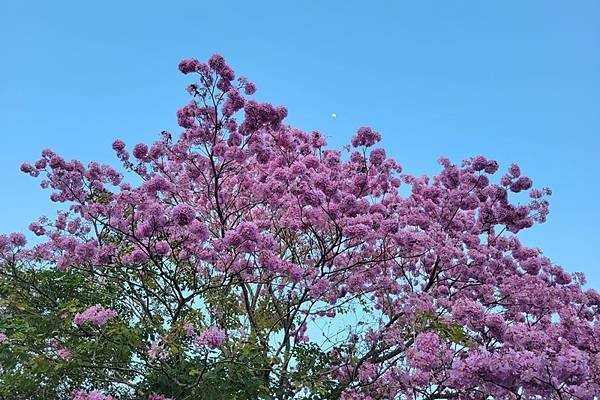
pixel 313 371
pixel 38 307
pixel 451 332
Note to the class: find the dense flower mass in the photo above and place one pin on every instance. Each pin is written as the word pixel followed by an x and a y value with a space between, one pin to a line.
pixel 96 315
pixel 155 396
pixel 213 337
pixel 245 259
pixel 93 395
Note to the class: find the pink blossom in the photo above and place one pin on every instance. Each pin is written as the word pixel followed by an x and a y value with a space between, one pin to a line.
pixel 140 151
pixel 64 353
pixel 17 239
pixel 190 65
pixel 241 213
pixel 424 355
pixel 93 395
pixel 155 396
pixel 156 351
pixel 118 145
pixel 365 136
pixel 96 315
pixel 213 337
pixel 162 248
pixel 183 214
pixel 188 327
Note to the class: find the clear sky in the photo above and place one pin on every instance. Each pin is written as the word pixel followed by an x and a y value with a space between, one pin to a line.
pixel 518 81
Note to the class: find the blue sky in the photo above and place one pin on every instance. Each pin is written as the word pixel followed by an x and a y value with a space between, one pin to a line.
pixel 518 81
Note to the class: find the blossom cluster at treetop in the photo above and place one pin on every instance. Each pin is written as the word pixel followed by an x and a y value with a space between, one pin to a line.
pixel 244 259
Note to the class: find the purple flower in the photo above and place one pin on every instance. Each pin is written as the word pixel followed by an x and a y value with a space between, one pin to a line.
pixel 27 168
pixel 365 136
pixel 162 248
pixel 156 396
pixel 140 151
pixel 233 103
pixel 93 395
pixel 157 184
pixel 213 337
pixel 96 315
pixel 64 353
pixel 514 170
pixel 248 231
pixel 139 256
pixel 183 214
pixel 491 167
pixel 249 88
pixel 17 239
pixel 377 156
pixel 188 327
pixel 319 232
pixel 424 355
pixel 367 371
pixel 217 62
pixel 118 145
pixel 523 183
pixel 479 163
pixel 189 65
pixel 156 352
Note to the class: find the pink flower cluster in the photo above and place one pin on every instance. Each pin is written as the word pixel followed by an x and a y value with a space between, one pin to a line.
pixel 61 351
pixel 213 337
pixel 242 202
pixel 156 351
pixel 155 396
pixel 96 315
pixel 424 355
pixel 92 395
pixel 10 245
pixel 365 136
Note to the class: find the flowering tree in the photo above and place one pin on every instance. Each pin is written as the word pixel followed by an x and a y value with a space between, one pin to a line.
pixel 243 260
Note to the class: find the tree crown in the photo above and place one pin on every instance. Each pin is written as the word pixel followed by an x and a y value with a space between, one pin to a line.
pixel 245 259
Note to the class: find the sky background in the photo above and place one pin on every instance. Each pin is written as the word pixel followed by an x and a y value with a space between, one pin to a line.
pixel 517 81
